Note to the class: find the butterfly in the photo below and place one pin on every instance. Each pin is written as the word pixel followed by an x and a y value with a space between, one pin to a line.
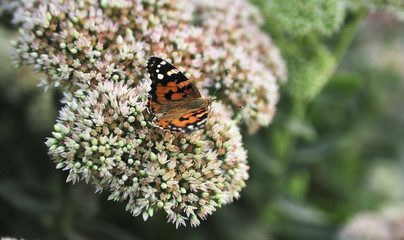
pixel 174 101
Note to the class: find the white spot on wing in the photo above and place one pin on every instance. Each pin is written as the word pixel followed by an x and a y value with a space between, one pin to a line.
pixel 160 76
pixel 172 71
pixel 201 122
pixel 163 63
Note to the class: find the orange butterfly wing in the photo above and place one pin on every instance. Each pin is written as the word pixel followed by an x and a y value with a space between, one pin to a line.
pixel 175 101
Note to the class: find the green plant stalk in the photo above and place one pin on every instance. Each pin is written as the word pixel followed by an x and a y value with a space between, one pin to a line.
pixel 347 34
pixel 284 154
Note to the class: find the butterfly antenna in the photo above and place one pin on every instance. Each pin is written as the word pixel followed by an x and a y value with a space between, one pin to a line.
pixel 221 81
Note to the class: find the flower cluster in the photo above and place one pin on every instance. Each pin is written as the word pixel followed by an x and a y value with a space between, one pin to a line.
pixel 309 70
pixel 105 137
pixel 366 226
pixel 80 41
pixel 395 7
pixel 253 62
pixel 97 50
pixel 299 18
pixel 385 225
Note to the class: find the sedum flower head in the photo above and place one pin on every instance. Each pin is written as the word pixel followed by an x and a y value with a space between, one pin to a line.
pixel 90 41
pixel 97 50
pixel 299 18
pixel 310 70
pixel 394 6
pixel 366 227
pixel 104 136
pixel 394 215
pixel 388 223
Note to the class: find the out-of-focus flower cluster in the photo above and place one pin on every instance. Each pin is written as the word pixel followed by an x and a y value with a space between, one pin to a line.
pixel 323 17
pixel 300 18
pixel 310 71
pixel 97 50
pixel 384 180
pixel 299 27
pixel 394 6
pixel 11 238
pixel 387 224
pixel 366 227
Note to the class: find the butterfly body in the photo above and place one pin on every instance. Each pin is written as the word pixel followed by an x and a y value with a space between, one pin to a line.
pixel 175 102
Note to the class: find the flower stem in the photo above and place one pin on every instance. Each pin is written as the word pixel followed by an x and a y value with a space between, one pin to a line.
pixel 347 34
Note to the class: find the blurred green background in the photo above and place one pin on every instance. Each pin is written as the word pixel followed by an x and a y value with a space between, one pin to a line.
pixel 335 149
